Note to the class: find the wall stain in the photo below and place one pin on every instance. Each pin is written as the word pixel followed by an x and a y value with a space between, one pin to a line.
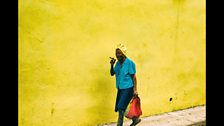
pixel 179 6
pixel 52 109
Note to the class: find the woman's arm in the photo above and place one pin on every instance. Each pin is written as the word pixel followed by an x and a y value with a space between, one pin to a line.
pixel 112 70
pixel 112 61
pixel 135 83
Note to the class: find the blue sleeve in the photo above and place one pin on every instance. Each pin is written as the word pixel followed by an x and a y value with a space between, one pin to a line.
pixel 132 69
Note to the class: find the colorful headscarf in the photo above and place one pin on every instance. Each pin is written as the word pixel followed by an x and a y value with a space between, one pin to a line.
pixel 122 48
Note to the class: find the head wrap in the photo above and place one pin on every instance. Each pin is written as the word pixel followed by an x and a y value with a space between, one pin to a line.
pixel 122 48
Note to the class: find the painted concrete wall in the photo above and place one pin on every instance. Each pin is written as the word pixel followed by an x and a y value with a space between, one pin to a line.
pixel 64 49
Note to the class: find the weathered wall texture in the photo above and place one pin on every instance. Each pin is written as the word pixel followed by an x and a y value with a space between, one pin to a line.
pixel 64 49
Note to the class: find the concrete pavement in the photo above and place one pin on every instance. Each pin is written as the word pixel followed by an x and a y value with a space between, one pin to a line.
pixel 194 116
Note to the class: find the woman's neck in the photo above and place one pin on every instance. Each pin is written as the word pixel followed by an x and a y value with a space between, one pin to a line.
pixel 123 60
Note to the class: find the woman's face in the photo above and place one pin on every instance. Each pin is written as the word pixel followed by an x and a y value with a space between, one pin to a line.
pixel 120 56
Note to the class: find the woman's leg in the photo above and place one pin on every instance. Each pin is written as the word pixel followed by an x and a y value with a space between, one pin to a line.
pixel 135 121
pixel 120 118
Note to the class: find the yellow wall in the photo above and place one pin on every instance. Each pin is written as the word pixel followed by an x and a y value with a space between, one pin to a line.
pixel 64 49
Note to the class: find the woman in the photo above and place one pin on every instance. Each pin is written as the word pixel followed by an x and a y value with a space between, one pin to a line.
pixel 126 82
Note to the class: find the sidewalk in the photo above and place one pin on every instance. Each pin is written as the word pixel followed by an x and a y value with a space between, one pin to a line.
pixel 188 117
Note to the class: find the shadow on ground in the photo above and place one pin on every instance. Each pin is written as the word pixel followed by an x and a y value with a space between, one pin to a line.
pixel 202 123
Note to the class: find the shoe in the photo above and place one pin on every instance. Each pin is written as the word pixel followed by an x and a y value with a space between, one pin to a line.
pixel 135 122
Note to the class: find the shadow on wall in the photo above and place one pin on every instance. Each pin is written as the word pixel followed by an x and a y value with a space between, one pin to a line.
pixel 176 2
pixel 102 94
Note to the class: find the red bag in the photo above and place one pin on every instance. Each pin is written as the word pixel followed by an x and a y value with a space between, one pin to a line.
pixel 134 108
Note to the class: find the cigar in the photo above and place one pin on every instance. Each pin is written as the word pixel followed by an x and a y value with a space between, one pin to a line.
pixel 111 57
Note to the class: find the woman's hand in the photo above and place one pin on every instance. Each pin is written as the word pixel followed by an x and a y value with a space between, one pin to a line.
pixel 112 61
pixel 135 92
